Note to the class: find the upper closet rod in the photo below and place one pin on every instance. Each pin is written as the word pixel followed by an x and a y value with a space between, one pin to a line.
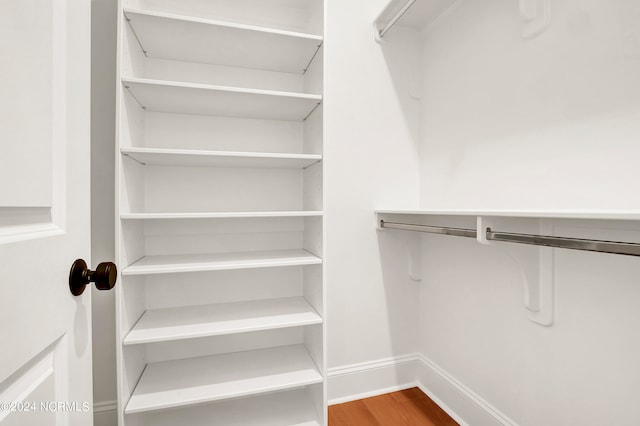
pixel 612 247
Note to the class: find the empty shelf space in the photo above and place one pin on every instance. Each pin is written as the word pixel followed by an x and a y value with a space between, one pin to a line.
pixel 219 215
pixel 183 38
pixel 287 408
pixel 186 382
pixel 166 264
pixel 190 98
pixel 160 325
pixel 201 158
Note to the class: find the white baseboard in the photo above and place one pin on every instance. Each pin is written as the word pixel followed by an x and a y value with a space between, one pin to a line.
pixel 363 380
pixel 461 403
pixel 105 413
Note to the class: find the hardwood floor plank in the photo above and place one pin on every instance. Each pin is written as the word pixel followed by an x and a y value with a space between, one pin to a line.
pixel 387 411
pixel 407 394
pixel 410 407
pixel 352 414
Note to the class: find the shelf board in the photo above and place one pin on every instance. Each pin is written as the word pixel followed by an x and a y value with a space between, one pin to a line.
pixel 545 214
pixel 204 99
pixel 184 38
pixel 189 322
pixel 219 215
pixel 201 158
pixel 287 408
pixel 411 13
pixel 185 382
pixel 166 264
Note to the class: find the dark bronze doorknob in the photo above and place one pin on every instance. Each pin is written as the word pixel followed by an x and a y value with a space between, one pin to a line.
pixel 104 276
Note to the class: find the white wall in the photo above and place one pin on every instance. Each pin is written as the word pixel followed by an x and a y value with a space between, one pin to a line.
pixel 553 123
pixel 103 57
pixel 371 160
pixel 550 122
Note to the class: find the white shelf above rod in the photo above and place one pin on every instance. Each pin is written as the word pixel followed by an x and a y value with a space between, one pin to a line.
pixel 416 14
pixel 600 246
pixel 535 15
pixel 392 14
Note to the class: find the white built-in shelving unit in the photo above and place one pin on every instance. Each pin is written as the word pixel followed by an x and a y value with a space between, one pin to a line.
pixel 220 225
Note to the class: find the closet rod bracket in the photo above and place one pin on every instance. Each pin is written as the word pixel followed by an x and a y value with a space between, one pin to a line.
pixel 413 252
pixel 536 264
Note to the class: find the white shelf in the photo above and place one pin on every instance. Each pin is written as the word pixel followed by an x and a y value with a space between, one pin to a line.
pixel 200 158
pixel 549 214
pixel 186 382
pixel 287 408
pixel 415 14
pixel 189 322
pixel 219 215
pixel 166 264
pixel 183 38
pixel 204 99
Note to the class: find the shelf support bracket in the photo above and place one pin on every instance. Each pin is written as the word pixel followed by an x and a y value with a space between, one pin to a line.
pixel 414 257
pixel 413 252
pixel 537 267
pixel 536 15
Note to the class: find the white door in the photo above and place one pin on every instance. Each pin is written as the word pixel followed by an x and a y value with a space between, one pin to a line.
pixel 45 346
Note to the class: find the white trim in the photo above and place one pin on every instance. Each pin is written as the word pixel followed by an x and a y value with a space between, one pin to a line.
pixel 442 405
pixel 465 399
pixel 373 393
pixel 105 413
pixel 367 379
pixel 369 365
pixel 105 406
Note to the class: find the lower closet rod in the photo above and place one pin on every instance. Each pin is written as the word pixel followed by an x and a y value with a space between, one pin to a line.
pixel 611 247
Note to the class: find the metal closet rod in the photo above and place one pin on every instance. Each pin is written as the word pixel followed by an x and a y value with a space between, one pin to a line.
pixel 600 246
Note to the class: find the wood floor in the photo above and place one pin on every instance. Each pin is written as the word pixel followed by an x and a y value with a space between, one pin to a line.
pixel 410 407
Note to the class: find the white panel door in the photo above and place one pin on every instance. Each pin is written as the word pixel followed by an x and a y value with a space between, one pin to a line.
pixel 45 351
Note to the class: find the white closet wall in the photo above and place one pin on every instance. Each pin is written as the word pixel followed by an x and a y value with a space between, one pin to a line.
pixel 371 151
pixel 517 125
pixel 549 122
pixel 220 213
